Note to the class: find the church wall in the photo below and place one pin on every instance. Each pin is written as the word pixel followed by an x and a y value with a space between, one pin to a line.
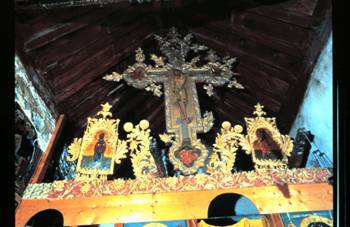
pixel 33 106
pixel 316 111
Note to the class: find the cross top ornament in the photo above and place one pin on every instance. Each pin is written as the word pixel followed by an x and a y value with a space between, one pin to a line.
pixel 177 78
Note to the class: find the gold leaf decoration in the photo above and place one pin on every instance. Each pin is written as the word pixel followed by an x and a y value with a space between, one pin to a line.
pixel 259 130
pixel 138 139
pixel 157 60
pixel 167 138
pixel 99 132
pixel 225 147
pixel 114 76
pixel 74 149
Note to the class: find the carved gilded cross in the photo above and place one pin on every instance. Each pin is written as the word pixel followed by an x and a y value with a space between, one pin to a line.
pixel 179 78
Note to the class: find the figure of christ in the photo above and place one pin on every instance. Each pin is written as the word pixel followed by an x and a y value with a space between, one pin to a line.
pixel 180 93
pixel 99 148
pixel 265 147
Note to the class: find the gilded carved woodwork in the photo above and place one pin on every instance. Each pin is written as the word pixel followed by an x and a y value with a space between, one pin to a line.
pixel 269 148
pixel 226 144
pixel 98 187
pixel 176 78
pixel 138 141
pixel 262 141
pixel 99 148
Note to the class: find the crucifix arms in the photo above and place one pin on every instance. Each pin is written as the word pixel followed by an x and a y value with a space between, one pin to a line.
pixel 217 71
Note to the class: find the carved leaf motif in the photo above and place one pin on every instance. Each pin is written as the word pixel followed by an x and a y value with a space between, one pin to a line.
pixel 142 161
pixel 120 152
pixel 74 149
pixel 166 138
pixel 226 145
pixel 287 144
pixel 244 143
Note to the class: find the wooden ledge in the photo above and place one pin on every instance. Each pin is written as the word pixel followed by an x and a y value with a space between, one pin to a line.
pixel 175 205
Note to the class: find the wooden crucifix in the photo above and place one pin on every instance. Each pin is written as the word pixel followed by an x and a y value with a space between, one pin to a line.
pixel 179 78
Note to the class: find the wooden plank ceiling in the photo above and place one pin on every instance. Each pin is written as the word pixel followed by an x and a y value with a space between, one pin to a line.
pixel 68 51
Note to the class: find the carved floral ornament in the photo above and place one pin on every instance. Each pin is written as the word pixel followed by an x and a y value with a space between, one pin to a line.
pixel 269 149
pixel 99 148
pixel 96 187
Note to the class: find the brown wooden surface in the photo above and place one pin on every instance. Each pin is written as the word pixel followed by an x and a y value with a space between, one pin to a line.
pixel 275 220
pixel 45 159
pixel 175 205
pixel 192 223
pixel 69 51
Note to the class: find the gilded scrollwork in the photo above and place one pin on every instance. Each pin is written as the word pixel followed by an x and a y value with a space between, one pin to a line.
pixel 176 77
pixel 209 89
pixel 138 140
pixel 167 138
pixel 188 159
pixel 217 180
pixel 269 148
pixel 224 150
pixel 99 148
pixel 208 121
pixel 114 76
pixel 155 89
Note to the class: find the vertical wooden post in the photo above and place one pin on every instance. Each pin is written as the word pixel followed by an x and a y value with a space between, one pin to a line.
pixel 275 220
pixel 192 223
pixel 44 161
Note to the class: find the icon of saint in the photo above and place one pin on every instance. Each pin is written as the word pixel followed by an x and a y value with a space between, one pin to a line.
pixel 265 147
pixel 99 148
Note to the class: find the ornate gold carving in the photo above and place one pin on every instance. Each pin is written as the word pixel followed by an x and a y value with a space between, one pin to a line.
pixel 178 79
pixel 114 76
pixel 208 121
pixel 37 191
pixel 105 110
pixel 99 148
pixel 74 149
pixel 139 57
pixel 138 141
pixel 225 147
pixel 167 138
pixel 269 148
pixel 177 146
pixel 209 89
pixel 234 83
pixel 159 62
pixel 315 218
pixel 155 89
pixel 263 177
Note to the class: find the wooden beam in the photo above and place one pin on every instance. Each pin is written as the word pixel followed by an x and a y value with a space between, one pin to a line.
pixel 175 205
pixel 46 156
pixel 275 220
pixel 192 223
pixel 18 198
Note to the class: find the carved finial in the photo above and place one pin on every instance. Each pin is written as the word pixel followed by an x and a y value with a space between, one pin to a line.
pixel 140 57
pixel 258 110
pixel 114 76
pixel 157 60
pixel 105 110
pixel 209 88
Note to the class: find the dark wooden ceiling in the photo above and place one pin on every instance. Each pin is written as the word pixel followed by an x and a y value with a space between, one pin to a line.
pixel 67 51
